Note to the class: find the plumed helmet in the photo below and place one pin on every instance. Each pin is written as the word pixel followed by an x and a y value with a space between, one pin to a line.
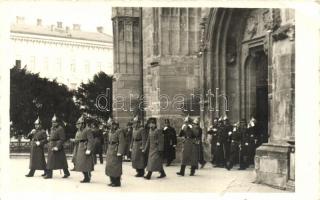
pixel 110 121
pixel 80 120
pixel 225 118
pixel 196 121
pixel 220 119
pixel 54 118
pixel 37 121
pixel 152 120
pixel 136 119
pixel 253 120
pixel 187 119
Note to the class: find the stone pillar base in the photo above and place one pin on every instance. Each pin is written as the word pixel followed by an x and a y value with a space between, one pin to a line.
pixel 271 165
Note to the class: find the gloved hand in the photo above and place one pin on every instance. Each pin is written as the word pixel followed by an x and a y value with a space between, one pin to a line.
pixel 218 144
pixel 88 152
pixel 130 149
pixel 37 143
pixel 119 154
pixel 246 144
pixel 55 149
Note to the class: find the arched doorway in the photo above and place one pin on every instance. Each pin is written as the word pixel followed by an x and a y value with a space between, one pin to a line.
pixel 256 89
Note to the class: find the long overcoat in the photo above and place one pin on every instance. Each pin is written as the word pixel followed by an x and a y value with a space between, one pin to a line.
pixel 83 162
pixel 37 159
pixel 57 159
pixel 138 142
pixel 170 140
pixel 190 155
pixel 116 140
pixel 98 141
pixel 155 144
pixel 197 143
pixel 128 135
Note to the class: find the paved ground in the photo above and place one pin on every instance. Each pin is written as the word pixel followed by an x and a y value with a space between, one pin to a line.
pixel 206 180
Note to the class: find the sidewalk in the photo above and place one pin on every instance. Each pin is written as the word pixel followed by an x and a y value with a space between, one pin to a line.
pixel 209 179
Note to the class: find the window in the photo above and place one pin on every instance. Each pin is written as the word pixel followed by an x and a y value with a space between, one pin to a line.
pixel 72 66
pixel 59 64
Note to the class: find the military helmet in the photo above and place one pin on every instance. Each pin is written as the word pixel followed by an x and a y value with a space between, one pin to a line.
pixel 37 121
pixel 54 118
pixel 196 121
pixel 152 120
pixel 187 119
pixel 225 118
pixel 80 120
pixel 110 120
pixel 136 119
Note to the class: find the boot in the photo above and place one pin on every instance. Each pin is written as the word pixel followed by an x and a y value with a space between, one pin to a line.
pixel 101 159
pixel 45 172
pixel 117 182
pixel 138 173
pixel 111 181
pixel 66 173
pixel 148 176
pixel 31 173
pixel 192 171
pixel 182 169
pixel 162 174
pixel 49 174
pixel 141 171
pixel 86 177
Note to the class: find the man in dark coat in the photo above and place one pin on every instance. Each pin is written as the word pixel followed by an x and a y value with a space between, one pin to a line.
pixel 235 140
pixel 138 142
pixel 213 132
pixel 84 158
pixel 170 142
pixel 37 159
pixel 199 140
pixel 219 153
pixel 98 142
pixel 244 146
pixel 155 144
pixel 254 141
pixel 56 156
pixel 226 132
pixel 128 134
pixel 190 154
pixel 116 149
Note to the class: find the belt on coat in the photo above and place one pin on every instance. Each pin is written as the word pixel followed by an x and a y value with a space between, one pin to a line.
pixel 113 143
pixel 83 140
pixel 137 140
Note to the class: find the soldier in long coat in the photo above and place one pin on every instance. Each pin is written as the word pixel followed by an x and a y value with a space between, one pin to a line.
pixel 254 141
pixel 98 142
pixel 116 149
pixel 138 142
pixel 37 159
pixel 220 152
pixel 84 155
pixel 155 144
pixel 244 146
pixel 56 155
pixel 190 155
pixel 235 140
pixel 128 134
pixel 170 142
pixel 198 141
pixel 212 131
pixel 226 132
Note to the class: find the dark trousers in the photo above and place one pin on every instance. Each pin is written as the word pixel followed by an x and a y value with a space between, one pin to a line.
pixel 100 158
pixel 244 157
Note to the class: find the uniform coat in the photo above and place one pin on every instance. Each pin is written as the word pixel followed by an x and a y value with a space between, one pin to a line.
pixel 98 141
pixel 57 159
pixel 83 162
pixel 128 135
pixel 214 137
pixel 116 145
pixel 138 142
pixel 170 140
pixel 190 153
pixel 198 143
pixel 37 159
pixel 155 143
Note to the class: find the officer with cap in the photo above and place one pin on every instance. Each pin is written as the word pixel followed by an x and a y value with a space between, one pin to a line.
pixel 235 141
pixel 227 132
pixel 128 135
pixel 254 141
pixel 56 155
pixel 244 146
pixel 37 159
pixel 138 142
pixel 219 153
pixel 198 143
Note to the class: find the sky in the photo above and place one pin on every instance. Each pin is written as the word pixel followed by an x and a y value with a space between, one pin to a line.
pixel 89 14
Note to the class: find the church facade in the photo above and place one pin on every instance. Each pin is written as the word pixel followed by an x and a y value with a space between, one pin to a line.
pixel 238 63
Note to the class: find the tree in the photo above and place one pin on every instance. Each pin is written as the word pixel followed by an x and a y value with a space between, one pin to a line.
pixel 32 96
pixel 96 96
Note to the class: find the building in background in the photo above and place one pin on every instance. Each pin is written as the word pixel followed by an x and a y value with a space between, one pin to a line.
pixel 246 56
pixel 64 53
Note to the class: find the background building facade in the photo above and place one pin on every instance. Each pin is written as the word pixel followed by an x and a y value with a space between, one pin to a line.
pixel 67 54
pixel 245 57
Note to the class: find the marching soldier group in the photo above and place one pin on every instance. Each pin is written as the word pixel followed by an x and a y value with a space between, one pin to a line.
pixel 233 144
pixel 146 146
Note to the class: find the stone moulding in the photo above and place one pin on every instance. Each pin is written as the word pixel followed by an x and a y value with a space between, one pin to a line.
pixel 283 32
